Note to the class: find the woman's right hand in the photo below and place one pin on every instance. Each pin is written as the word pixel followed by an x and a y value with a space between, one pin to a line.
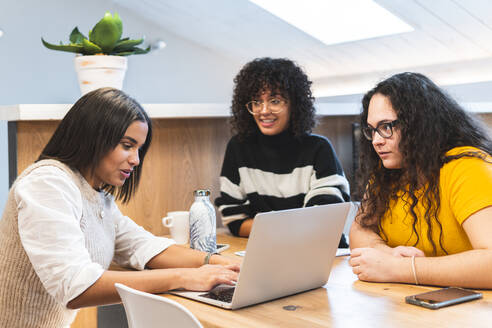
pixel 208 276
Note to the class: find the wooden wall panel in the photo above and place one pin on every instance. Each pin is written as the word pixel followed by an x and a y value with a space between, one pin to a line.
pixel 185 155
pixel 32 136
pixel 338 129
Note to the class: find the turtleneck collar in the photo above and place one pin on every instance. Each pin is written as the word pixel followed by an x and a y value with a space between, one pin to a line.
pixel 284 138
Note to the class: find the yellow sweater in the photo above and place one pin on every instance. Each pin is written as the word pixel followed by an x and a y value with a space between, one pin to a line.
pixel 465 188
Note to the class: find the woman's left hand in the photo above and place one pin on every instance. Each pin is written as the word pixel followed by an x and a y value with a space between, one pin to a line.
pixel 370 264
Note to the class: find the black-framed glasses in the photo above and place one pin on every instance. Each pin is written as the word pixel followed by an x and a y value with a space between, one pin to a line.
pixel 385 130
pixel 274 105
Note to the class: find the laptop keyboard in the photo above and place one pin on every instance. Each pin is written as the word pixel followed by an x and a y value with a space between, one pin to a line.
pixel 221 293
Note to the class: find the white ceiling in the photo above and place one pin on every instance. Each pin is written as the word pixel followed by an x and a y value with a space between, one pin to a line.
pixel 452 40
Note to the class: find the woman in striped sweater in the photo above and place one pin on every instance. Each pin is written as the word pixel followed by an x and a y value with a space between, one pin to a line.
pixel 273 162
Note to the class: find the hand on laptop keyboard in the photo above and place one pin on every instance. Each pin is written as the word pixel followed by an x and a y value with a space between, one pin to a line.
pixel 220 293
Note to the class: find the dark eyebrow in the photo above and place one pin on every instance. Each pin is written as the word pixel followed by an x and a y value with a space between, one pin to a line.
pixel 129 139
pixel 380 122
pixel 277 95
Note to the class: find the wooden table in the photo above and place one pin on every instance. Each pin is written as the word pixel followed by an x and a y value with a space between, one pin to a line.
pixel 343 302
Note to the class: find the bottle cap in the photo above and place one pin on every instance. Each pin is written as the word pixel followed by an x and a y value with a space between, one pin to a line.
pixel 201 192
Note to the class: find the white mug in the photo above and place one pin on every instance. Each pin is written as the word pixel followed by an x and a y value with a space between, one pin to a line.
pixel 178 223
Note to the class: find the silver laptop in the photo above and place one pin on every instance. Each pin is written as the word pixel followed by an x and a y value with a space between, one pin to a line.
pixel 288 252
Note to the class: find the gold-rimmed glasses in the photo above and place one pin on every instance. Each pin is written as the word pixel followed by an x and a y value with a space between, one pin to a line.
pixel 274 105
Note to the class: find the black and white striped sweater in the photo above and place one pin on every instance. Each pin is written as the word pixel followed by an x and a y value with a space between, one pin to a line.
pixel 268 173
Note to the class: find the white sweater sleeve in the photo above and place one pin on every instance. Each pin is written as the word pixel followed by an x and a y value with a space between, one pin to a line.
pixel 135 246
pixel 50 209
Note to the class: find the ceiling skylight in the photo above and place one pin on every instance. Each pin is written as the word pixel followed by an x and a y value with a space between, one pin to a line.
pixel 336 21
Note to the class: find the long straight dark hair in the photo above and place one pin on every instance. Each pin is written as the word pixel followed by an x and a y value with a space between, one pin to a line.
pixel 92 128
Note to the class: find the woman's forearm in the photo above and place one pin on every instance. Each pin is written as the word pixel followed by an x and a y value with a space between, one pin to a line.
pixel 470 269
pixel 177 256
pixel 155 281
pixel 175 267
pixel 245 228
pixel 362 237
pixel 103 291
pixel 467 269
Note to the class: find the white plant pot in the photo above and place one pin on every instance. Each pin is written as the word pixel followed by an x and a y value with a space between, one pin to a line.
pixel 96 72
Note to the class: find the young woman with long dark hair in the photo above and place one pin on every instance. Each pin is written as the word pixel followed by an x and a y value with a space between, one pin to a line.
pixel 61 227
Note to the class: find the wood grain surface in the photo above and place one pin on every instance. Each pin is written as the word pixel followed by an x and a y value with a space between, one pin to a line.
pixel 343 302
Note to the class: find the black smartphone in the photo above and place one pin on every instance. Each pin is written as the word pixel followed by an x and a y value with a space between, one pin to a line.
pixel 222 247
pixel 437 299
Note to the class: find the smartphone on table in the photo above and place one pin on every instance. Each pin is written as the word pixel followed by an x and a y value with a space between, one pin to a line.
pixel 437 299
pixel 222 247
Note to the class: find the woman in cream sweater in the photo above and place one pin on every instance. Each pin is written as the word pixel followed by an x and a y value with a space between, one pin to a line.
pixel 61 227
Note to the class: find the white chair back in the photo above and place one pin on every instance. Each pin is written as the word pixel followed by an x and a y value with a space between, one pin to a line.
pixel 149 311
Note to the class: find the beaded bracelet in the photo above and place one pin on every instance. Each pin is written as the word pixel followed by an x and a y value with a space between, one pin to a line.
pixel 207 258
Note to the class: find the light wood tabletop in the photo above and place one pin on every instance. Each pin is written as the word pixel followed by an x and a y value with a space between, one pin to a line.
pixel 343 302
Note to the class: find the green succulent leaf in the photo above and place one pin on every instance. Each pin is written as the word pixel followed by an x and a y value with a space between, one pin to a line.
pixel 139 51
pixel 118 22
pixel 106 32
pixel 76 36
pixel 127 45
pixel 90 48
pixel 76 48
pixel 126 53
pixel 133 51
pixel 104 38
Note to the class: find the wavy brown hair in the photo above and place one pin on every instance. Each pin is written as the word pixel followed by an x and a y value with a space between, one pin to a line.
pixel 430 123
pixel 280 76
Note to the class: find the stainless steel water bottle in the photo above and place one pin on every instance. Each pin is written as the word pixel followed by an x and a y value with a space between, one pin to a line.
pixel 202 223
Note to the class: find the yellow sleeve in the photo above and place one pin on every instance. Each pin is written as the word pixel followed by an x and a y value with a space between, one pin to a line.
pixel 469 181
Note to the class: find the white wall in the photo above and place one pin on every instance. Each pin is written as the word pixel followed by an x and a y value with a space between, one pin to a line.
pixel 30 73
pixel 181 72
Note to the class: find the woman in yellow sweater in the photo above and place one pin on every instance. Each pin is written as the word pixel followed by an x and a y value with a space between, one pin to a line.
pixel 426 179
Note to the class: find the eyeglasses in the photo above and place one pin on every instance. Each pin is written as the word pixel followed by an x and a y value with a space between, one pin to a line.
pixel 385 130
pixel 274 105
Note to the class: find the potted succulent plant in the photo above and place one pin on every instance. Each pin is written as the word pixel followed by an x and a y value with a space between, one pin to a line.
pixel 102 58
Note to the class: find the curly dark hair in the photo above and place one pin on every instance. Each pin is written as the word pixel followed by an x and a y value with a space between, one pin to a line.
pixel 431 123
pixel 280 76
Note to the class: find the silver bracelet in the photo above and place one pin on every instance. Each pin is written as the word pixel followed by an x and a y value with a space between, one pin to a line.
pixel 413 270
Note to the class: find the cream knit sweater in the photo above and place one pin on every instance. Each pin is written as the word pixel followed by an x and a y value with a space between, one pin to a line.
pixel 24 302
